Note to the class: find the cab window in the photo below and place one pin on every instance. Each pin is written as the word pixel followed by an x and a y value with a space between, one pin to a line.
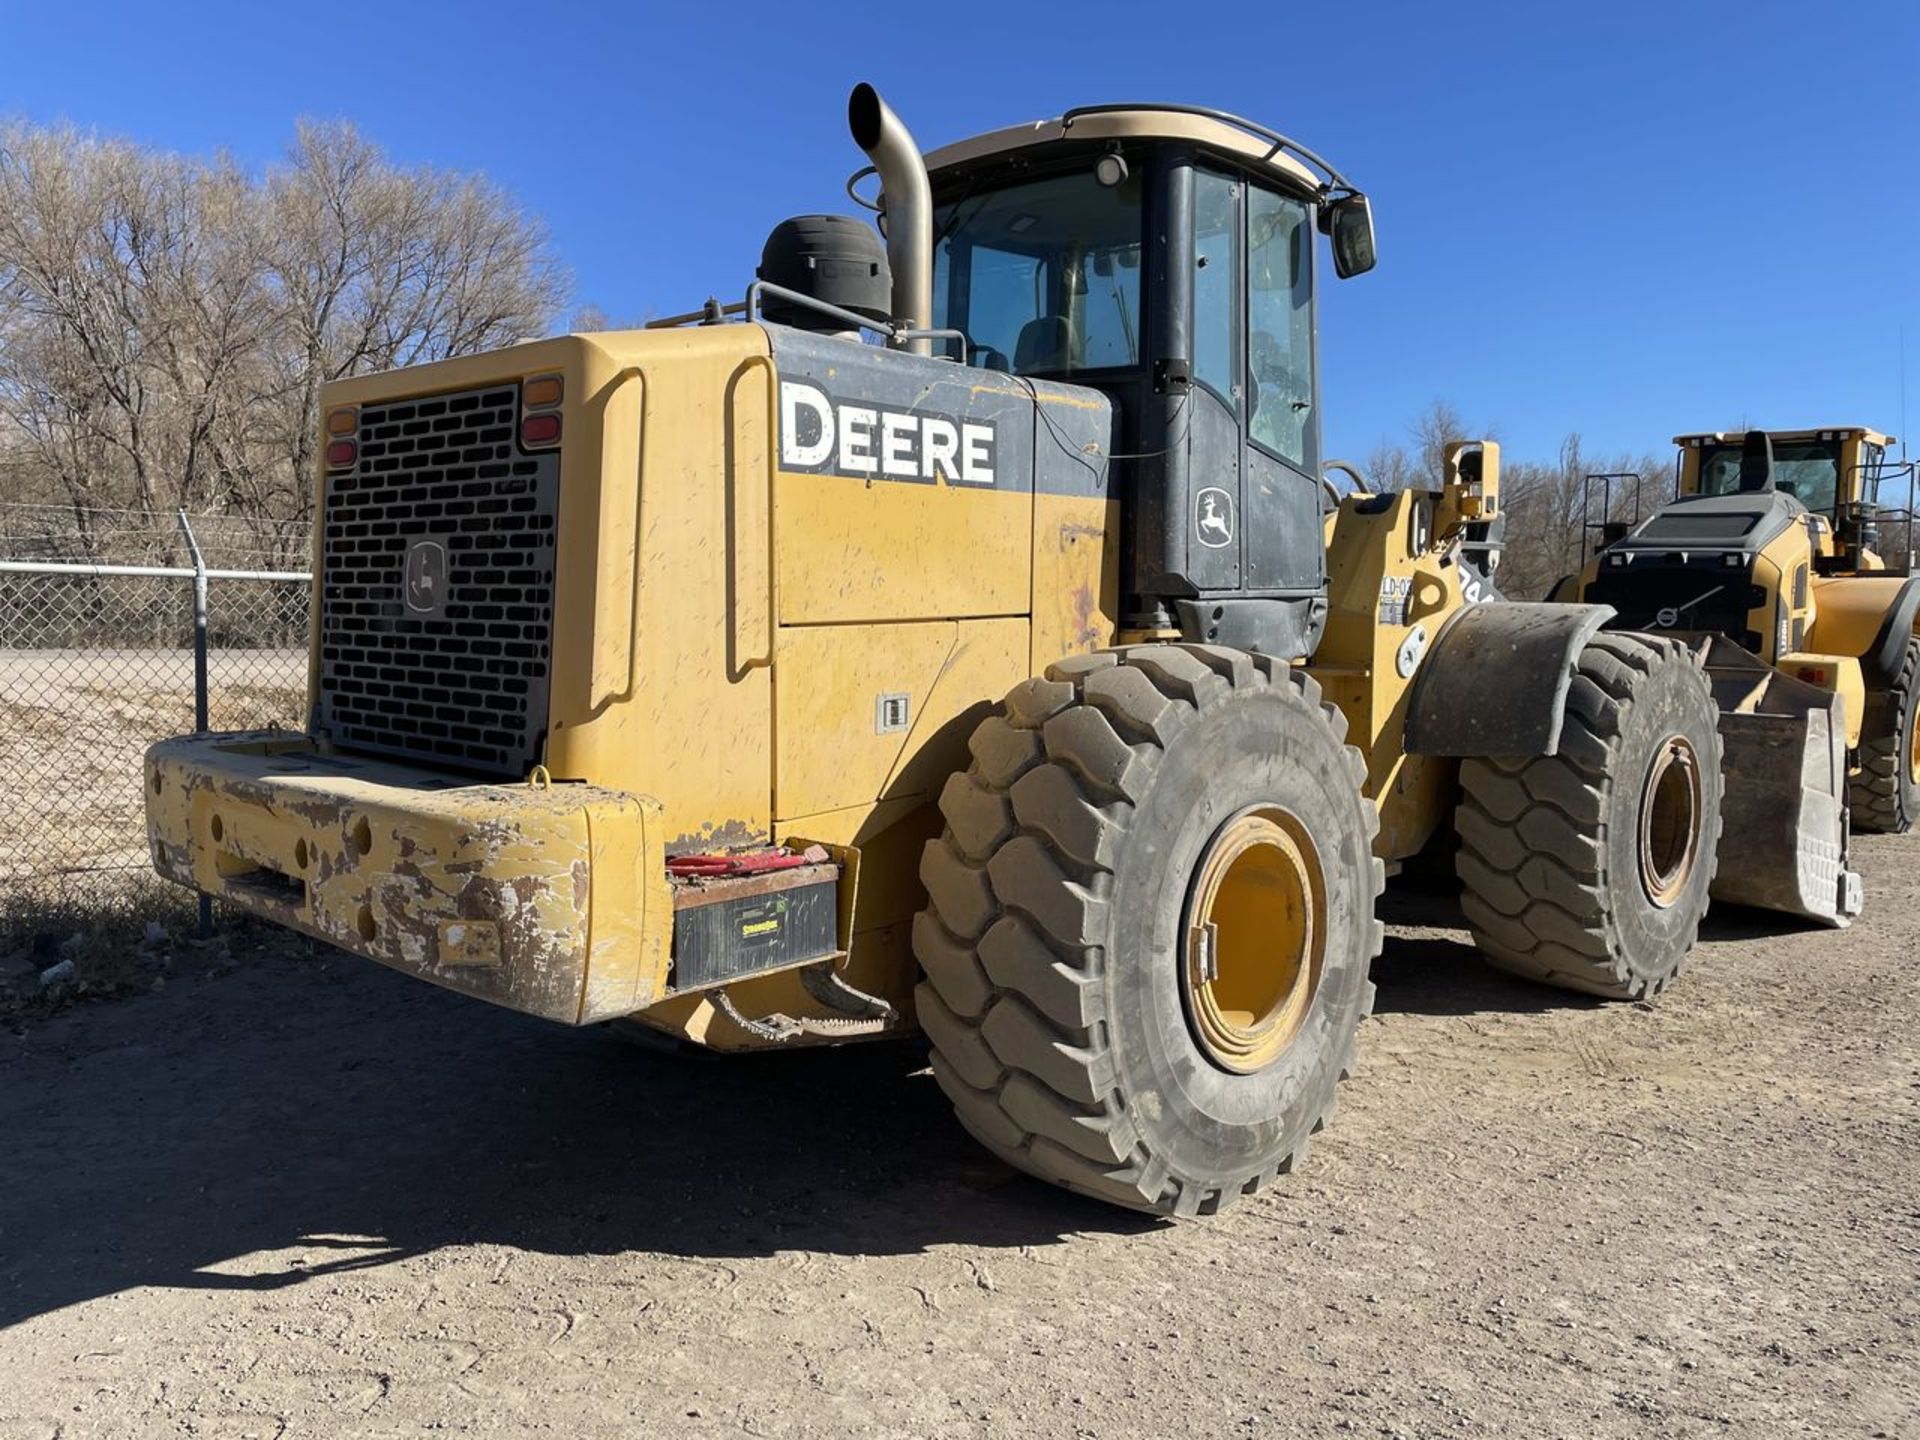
pixel 1216 253
pixel 1807 469
pixel 1279 324
pixel 1044 277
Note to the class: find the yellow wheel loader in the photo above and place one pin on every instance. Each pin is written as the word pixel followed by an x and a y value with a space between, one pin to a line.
pixel 956 633
pixel 1778 546
pixel 1581 771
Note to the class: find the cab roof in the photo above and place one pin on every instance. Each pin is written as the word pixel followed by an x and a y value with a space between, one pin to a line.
pixel 1242 140
pixel 1824 432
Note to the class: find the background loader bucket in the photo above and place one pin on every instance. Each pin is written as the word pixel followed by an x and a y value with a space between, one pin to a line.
pixel 1784 845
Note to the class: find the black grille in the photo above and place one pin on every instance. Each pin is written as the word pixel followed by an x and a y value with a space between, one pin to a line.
pixel 1701 597
pixel 444 656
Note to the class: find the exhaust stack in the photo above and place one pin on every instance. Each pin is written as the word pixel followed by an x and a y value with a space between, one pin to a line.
pixel 907 198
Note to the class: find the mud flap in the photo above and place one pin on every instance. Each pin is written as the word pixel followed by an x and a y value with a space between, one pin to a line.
pixel 1784 844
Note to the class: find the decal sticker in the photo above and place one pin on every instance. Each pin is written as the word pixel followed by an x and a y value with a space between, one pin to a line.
pixel 865 441
pixel 1396 599
pixel 1213 517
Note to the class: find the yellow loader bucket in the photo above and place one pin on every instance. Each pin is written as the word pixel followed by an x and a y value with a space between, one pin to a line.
pixel 1784 844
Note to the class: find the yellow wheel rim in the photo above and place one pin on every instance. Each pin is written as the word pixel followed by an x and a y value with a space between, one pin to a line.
pixel 1254 941
pixel 1670 809
pixel 1913 746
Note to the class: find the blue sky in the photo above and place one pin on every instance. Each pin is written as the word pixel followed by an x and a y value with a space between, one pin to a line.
pixel 1626 219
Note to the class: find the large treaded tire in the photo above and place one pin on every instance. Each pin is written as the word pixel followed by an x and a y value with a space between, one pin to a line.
pixel 1052 995
pixel 1882 793
pixel 1549 853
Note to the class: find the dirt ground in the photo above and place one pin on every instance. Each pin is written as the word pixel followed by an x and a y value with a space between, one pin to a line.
pixel 314 1198
pixel 74 725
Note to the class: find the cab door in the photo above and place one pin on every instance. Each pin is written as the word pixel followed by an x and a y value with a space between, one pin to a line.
pixel 1252 427
pixel 1215 402
pixel 1283 549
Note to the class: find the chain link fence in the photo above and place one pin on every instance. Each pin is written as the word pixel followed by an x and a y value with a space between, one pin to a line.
pixel 98 660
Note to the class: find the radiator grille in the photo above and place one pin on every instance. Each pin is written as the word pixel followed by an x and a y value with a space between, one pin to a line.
pixel 436 586
pixel 1698 598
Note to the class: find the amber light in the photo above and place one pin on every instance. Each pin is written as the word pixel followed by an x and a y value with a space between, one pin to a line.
pixel 342 453
pixel 540 429
pixel 542 394
pixel 343 422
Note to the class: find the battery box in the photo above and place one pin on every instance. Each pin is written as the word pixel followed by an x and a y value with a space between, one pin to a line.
pixel 725 927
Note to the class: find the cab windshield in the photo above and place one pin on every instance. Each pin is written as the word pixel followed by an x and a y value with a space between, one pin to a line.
pixel 1044 277
pixel 1809 469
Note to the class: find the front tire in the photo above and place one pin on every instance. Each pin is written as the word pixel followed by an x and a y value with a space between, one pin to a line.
pixel 1590 869
pixel 1885 791
pixel 1150 924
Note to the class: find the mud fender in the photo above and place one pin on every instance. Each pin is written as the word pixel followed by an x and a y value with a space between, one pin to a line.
pixel 1495 681
pixel 1882 662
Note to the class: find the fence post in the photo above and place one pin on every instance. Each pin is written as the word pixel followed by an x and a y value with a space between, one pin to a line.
pixel 199 671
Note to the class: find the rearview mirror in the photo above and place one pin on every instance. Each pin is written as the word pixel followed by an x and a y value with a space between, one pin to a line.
pixel 1349 224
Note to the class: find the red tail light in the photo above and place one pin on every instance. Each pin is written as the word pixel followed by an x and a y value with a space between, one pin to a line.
pixel 342 453
pixel 540 430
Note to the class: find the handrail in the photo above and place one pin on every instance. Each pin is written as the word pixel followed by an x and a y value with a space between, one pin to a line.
pixel 749 310
pixel 852 319
pixel 712 313
pixel 959 337
pixel 1588 525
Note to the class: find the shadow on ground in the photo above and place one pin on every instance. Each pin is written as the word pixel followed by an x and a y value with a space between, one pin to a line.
pixel 293 1102
pixel 1437 970
pixel 1738 925
pixel 1441 976
pixel 297 1100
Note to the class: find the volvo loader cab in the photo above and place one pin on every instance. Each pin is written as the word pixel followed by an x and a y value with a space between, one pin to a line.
pixel 1843 476
pixel 957 633
pixel 1796 547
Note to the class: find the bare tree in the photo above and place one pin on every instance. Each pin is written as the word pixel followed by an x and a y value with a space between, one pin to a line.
pixel 1553 510
pixel 166 322
pixel 1401 467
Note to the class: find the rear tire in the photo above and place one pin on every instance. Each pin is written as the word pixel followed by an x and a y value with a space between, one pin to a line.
pixel 1590 869
pixel 1884 792
pixel 1070 1016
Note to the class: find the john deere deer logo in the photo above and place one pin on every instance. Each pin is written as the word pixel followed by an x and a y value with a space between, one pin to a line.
pixel 1214 517
pixel 425 581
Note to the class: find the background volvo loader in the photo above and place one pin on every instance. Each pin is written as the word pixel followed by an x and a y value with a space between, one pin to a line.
pixel 773 688
pixel 1778 544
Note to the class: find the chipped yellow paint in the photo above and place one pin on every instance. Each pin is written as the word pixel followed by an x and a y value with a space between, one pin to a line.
pixel 494 891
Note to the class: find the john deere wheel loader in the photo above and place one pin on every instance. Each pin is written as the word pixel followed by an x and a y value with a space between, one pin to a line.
pixel 1777 547
pixel 734 675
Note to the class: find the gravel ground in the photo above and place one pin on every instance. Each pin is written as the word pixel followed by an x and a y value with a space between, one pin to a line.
pixel 314 1198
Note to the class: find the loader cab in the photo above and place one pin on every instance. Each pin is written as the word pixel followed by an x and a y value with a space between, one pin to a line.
pixel 1165 257
pixel 1842 475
